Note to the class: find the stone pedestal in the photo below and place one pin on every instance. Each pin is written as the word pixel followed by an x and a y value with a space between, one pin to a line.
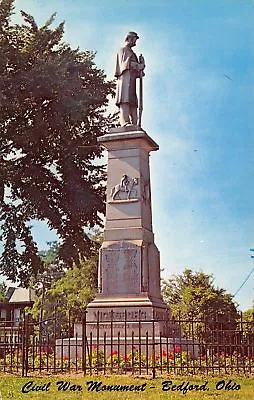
pixel 128 312
pixel 129 267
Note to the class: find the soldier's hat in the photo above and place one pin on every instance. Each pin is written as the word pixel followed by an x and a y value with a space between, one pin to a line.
pixel 131 34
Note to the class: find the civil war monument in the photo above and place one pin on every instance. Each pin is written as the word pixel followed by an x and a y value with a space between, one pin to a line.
pixel 129 266
pixel 129 301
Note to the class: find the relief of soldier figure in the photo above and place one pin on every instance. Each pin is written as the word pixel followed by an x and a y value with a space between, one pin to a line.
pixel 126 186
pixel 128 68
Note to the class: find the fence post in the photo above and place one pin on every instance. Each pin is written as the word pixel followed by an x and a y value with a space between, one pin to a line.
pixel 25 338
pixel 23 346
pixel 27 341
pixel 153 348
pixel 83 343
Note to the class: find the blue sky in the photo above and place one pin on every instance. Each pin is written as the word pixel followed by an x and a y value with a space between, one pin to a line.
pixel 198 106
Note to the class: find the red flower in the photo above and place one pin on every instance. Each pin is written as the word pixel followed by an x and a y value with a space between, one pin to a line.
pixel 114 353
pixel 164 353
pixel 177 349
pixel 65 358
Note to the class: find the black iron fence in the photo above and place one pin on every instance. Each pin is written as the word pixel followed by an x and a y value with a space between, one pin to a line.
pixel 121 346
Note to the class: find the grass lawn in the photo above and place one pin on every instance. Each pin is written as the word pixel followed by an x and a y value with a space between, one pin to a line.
pixel 138 388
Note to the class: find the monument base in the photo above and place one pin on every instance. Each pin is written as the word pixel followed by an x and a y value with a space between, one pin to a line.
pixel 128 315
pixel 73 348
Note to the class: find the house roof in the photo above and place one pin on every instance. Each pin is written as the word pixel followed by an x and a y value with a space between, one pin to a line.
pixel 22 295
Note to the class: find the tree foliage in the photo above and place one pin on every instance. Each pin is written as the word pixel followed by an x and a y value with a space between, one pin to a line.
pixel 66 300
pixel 52 109
pixel 246 322
pixel 194 296
pixel 50 256
pixel 68 295
pixel 74 290
pixel 3 291
pixel 248 315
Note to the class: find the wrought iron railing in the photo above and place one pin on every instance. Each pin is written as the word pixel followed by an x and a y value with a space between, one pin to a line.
pixel 127 346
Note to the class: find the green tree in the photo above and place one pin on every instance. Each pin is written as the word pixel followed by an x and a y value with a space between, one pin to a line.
pixel 3 290
pixel 52 109
pixel 67 298
pixel 69 294
pixel 192 295
pixel 50 256
pixel 248 315
pixel 246 327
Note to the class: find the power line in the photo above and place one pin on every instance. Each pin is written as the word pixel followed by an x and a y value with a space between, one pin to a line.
pixel 245 280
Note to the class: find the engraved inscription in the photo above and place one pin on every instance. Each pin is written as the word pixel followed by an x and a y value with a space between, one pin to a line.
pixel 120 315
pixel 121 274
